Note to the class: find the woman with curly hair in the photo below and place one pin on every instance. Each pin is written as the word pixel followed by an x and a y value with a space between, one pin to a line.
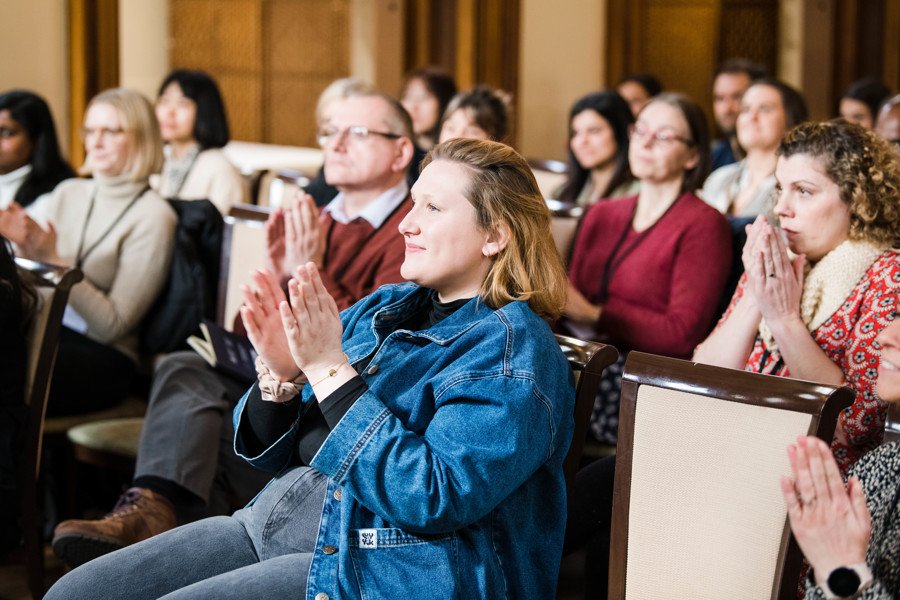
pixel 817 291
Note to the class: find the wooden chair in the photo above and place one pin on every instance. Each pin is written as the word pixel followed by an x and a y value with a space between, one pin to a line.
pixel 53 285
pixel 697 510
pixel 564 220
pixel 243 250
pixel 892 423
pixel 587 359
pixel 550 174
pixel 278 187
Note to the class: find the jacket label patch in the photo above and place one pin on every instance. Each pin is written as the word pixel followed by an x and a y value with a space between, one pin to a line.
pixel 368 538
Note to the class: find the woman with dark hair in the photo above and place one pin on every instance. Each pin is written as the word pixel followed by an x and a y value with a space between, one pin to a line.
pixel 426 93
pixel 817 291
pixel 861 101
pixel 30 162
pixel 746 188
pixel 638 89
pixel 194 127
pixel 16 303
pixel 598 150
pixel 478 114
pixel 647 271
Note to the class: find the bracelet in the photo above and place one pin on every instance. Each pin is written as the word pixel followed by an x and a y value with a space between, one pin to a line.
pixel 273 389
pixel 332 371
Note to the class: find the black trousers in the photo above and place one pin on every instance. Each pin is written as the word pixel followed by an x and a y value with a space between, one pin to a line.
pixel 88 376
pixel 589 523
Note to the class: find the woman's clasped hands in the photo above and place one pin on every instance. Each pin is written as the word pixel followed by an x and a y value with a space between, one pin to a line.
pixel 774 281
pixel 299 340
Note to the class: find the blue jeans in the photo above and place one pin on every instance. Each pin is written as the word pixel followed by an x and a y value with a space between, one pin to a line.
pixel 262 551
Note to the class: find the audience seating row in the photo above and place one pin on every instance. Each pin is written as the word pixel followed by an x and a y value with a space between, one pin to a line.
pixel 697 504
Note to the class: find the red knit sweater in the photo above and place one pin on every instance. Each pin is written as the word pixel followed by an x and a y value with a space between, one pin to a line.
pixel 359 259
pixel 662 296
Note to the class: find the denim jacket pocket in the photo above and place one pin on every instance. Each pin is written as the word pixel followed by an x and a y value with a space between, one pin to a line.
pixel 388 563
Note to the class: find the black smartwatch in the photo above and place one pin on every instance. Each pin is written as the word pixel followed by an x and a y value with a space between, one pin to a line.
pixel 844 582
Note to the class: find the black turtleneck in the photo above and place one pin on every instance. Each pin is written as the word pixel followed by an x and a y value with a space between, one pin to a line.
pixel 268 421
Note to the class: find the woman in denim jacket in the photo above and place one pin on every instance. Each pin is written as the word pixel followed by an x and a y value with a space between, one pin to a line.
pixel 418 436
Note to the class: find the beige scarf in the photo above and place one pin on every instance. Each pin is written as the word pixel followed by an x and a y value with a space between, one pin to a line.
pixel 828 283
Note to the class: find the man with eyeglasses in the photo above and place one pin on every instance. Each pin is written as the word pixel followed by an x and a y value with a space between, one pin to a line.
pixel 186 443
pixel 367 147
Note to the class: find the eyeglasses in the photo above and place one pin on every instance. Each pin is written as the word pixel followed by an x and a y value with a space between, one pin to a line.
pixel 104 132
pixel 354 133
pixel 663 136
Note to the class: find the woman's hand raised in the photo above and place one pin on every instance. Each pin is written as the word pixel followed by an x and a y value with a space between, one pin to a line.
pixel 262 320
pixel 832 523
pixel 313 326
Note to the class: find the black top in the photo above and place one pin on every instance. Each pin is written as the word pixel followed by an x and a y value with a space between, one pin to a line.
pixel 13 410
pixel 268 421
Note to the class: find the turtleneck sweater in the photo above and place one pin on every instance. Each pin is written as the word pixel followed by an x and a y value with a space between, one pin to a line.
pixel 125 271
pixel 10 184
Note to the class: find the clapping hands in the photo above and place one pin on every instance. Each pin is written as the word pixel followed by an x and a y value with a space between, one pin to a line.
pixel 831 522
pixel 294 237
pixel 33 241
pixel 300 337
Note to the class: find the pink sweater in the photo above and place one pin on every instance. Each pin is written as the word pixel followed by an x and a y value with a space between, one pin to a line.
pixel 662 296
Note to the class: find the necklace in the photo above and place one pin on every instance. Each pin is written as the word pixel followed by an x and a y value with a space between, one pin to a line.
pixel 80 257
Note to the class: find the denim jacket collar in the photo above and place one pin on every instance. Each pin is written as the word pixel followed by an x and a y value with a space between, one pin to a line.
pixel 445 332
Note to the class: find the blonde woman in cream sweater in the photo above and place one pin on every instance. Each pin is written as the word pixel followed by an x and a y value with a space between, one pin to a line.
pixel 120 233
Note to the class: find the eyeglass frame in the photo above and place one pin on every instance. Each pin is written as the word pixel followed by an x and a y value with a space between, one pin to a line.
pixel 633 131
pixel 355 132
pixel 105 133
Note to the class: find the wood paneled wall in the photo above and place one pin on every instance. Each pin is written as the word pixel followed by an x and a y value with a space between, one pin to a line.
pixel 272 59
pixel 867 37
pixel 475 40
pixel 683 41
pixel 93 61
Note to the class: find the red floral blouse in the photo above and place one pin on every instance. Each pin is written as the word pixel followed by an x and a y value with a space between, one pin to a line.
pixel 848 339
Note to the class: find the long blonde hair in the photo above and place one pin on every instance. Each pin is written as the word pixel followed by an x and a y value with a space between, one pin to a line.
pixel 505 194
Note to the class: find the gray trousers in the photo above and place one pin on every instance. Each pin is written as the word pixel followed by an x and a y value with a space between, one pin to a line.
pixel 188 435
pixel 263 551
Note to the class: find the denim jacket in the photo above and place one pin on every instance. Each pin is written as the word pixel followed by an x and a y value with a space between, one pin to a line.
pixel 446 475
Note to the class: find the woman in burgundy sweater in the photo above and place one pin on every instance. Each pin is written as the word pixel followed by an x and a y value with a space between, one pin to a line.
pixel 648 271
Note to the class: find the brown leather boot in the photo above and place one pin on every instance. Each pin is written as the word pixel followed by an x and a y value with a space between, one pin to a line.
pixel 139 514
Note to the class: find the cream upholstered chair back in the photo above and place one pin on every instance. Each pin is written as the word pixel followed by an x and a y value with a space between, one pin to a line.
pixel 278 186
pixel 550 174
pixel 564 220
pixel 698 511
pixel 243 250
